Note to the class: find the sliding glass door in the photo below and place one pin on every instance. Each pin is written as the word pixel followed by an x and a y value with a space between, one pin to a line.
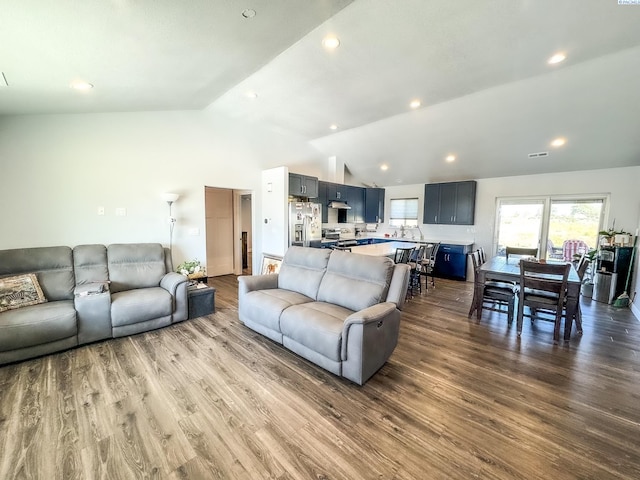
pixel 519 223
pixel 560 227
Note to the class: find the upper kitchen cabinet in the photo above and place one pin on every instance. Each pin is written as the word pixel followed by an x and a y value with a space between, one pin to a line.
pixel 355 199
pixel 374 205
pixel 303 186
pixel 337 191
pixel 450 203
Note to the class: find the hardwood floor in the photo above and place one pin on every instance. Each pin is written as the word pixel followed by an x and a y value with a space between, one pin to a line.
pixel 209 398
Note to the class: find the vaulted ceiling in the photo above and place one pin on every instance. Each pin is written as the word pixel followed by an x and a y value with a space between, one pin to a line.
pixel 488 95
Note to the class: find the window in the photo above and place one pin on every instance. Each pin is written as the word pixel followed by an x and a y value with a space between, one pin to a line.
pixel 404 211
pixel 560 227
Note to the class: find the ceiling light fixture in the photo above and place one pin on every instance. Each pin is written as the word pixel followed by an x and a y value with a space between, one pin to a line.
pixel 450 158
pixel 81 85
pixel 333 127
pixel 384 167
pixel 330 43
pixel 415 103
pixel 251 95
pixel 248 13
pixel 558 142
pixel 557 58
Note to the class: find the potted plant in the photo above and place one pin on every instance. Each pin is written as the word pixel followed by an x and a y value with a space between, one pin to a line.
pixel 192 269
pixel 587 282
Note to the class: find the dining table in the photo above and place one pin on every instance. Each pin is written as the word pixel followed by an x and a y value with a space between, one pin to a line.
pixel 508 270
pixel 385 249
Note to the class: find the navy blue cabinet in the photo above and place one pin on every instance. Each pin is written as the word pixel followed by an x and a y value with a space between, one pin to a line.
pixel 303 186
pixel 374 205
pixel 451 261
pixel 449 203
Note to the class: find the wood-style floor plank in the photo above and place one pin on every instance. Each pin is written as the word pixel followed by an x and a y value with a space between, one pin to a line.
pixel 210 399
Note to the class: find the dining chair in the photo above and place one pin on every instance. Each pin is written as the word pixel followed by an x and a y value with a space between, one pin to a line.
pixel 521 252
pixel 581 269
pixel 483 256
pixel 543 287
pixel 415 264
pixel 494 295
pixel 429 264
pixel 571 248
pixel 403 255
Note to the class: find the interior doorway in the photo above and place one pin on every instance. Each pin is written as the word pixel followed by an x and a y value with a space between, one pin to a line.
pixel 227 215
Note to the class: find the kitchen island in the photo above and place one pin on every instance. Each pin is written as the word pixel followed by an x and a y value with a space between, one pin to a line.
pixel 384 249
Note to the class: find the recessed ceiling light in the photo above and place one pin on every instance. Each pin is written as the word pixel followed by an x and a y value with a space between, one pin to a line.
pixel 415 103
pixel 81 85
pixel 333 127
pixel 450 158
pixel 384 167
pixel 330 42
pixel 251 95
pixel 558 142
pixel 248 13
pixel 557 58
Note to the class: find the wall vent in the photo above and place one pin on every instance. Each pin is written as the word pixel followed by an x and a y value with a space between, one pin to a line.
pixel 539 154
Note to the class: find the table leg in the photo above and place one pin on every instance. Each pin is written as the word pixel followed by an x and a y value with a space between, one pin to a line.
pixel 573 297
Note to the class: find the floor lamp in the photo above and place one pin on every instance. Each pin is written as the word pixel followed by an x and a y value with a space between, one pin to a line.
pixel 170 198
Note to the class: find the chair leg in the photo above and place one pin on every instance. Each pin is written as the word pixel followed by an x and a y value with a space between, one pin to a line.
pixel 578 320
pixel 510 309
pixel 519 320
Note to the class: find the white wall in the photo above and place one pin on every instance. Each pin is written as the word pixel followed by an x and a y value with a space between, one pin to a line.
pixel 56 170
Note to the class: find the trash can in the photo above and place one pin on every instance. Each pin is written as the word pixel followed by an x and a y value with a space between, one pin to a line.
pixel 604 289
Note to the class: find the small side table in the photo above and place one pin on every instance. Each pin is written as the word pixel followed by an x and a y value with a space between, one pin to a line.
pixel 201 301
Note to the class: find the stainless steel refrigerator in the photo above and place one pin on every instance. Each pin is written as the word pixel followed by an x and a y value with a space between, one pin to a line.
pixel 305 224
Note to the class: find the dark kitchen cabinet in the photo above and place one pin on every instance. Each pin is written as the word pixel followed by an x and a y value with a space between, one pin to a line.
pixel 323 200
pixel 449 203
pixel 451 261
pixel 355 199
pixel 374 205
pixel 336 191
pixel 303 186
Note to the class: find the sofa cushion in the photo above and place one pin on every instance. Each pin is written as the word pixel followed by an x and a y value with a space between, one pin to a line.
pixel 302 270
pixel 53 265
pixel 355 281
pixel 37 324
pixel 135 265
pixel 317 325
pixel 265 307
pixel 90 264
pixel 20 291
pixel 140 305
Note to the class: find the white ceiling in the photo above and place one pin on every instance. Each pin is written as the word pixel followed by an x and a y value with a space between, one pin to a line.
pixel 480 69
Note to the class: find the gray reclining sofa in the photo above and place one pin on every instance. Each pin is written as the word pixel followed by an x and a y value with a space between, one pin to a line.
pixel 90 293
pixel 340 310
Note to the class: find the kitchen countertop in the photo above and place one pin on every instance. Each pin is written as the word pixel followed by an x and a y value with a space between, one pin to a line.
pixel 395 239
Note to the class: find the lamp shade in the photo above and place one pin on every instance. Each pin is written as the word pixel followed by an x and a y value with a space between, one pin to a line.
pixel 170 197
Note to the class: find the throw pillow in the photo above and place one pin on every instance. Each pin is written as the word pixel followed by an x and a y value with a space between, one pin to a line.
pixel 20 291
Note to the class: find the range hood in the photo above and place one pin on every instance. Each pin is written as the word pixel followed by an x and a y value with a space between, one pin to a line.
pixel 341 205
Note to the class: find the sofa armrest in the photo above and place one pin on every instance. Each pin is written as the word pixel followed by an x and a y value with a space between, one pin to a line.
pixel 374 314
pixel 92 302
pixel 176 284
pixel 256 282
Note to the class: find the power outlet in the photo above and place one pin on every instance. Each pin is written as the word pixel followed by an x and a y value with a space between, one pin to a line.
pixel 100 210
pixel 194 232
pixel 121 212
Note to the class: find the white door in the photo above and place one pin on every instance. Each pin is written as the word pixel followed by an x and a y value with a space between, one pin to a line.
pixel 219 230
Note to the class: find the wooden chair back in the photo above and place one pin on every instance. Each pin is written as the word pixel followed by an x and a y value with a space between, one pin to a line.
pixel 521 252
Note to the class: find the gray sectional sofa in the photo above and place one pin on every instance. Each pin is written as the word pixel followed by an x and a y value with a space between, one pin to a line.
pixel 340 310
pixel 91 293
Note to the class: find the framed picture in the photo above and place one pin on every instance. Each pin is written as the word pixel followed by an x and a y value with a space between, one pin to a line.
pixel 270 264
